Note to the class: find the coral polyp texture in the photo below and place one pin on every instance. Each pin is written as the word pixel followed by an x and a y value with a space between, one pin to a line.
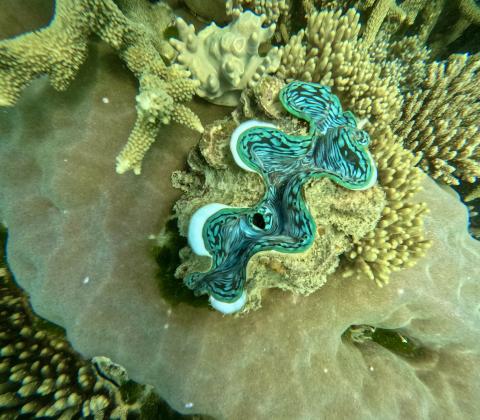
pixel 439 121
pixel 226 60
pixel 334 148
pixel 59 50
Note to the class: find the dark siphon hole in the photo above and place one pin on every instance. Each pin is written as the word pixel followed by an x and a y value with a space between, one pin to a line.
pixel 258 221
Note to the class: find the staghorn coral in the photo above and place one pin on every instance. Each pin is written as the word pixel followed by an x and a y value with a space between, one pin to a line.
pixel 469 14
pixel 226 60
pixel 439 121
pixel 403 13
pixel 41 376
pixel 59 50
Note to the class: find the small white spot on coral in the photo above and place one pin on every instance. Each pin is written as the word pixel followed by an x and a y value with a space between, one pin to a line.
pixel 325 370
pixel 169 312
pixel 371 368
pixel 65 160
pixel 165 326
pixel 189 405
pixel 401 291
pixel 105 100
pixel 65 211
pixel 86 280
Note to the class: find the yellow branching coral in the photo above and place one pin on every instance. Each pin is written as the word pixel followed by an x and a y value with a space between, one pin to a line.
pixel 330 52
pixel 439 121
pixel 404 13
pixel 469 11
pixel 272 9
pixel 368 81
pixel 397 241
pixel 59 50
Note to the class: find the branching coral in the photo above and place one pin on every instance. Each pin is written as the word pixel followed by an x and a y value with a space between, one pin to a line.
pixel 272 9
pixel 469 14
pixel 42 376
pixel 398 239
pixel 335 55
pixel 330 52
pixel 59 50
pixel 226 60
pixel 439 121
pixel 406 12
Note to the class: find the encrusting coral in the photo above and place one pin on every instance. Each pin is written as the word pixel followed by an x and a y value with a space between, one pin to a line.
pixel 439 120
pixel 59 50
pixel 226 60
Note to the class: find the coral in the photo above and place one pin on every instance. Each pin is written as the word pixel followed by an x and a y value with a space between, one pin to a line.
pixel 226 60
pixel 71 219
pixel 213 10
pixel 59 50
pixel 331 53
pixel 335 148
pixel 404 13
pixel 469 14
pixel 275 11
pixel 42 376
pixel 398 240
pixel 439 121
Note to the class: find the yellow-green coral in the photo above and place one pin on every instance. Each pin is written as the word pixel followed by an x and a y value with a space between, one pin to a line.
pixel 369 81
pixel 331 52
pixel 59 49
pixel 439 121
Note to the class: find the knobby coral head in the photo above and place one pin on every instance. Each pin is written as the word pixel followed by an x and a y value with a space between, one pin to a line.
pixel 334 148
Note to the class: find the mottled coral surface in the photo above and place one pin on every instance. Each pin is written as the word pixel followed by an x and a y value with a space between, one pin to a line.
pixel 78 243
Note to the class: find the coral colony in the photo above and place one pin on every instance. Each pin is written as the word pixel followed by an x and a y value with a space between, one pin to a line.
pixel 334 148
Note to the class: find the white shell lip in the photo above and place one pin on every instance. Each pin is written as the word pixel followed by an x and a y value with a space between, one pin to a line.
pixel 228 308
pixel 195 227
pixel 236 135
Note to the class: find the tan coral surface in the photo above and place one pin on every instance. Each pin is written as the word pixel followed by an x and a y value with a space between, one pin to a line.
pixel 78 244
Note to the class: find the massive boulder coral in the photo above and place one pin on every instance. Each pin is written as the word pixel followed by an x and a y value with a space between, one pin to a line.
pixel 226 60
pixel 41 375
pixel 59 50
pixel 71 218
